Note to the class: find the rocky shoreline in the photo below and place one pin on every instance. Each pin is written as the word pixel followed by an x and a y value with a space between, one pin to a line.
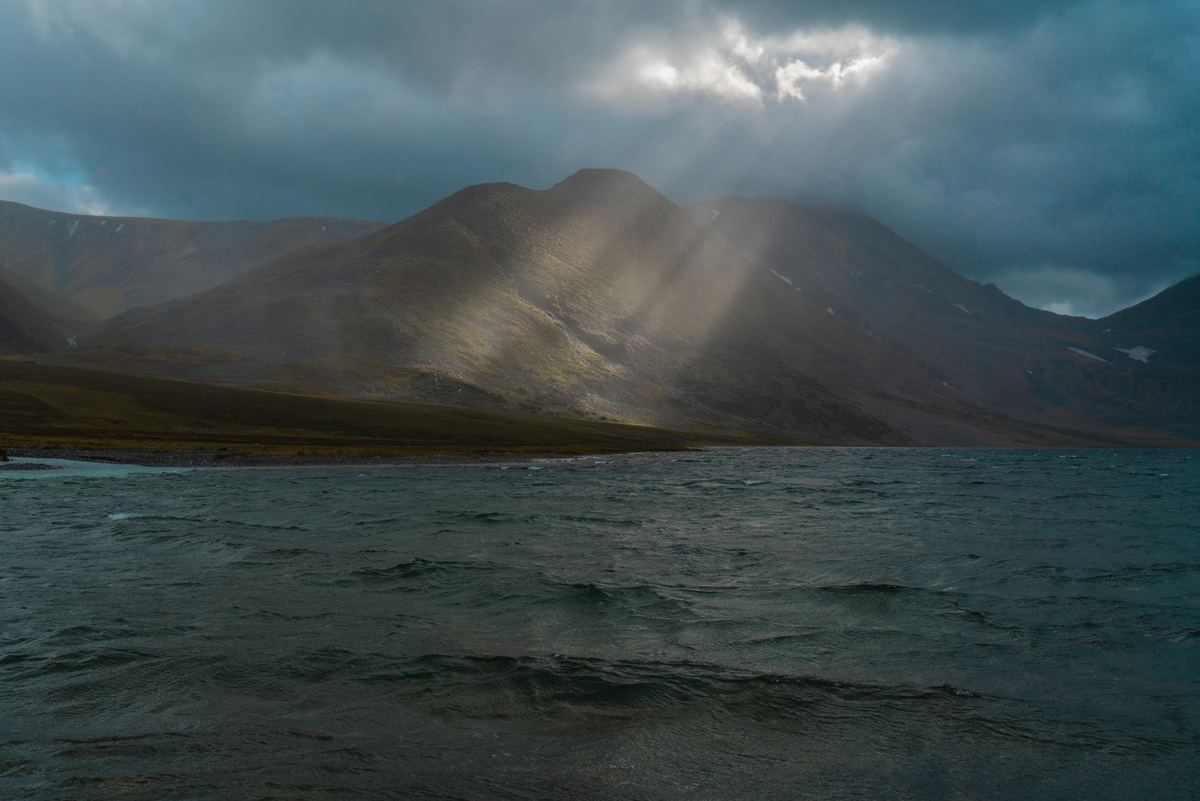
pixel 7 466
pixel 220 459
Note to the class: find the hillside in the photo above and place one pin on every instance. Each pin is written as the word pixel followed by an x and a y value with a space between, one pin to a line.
pixel 44 406
pixel 980 345
pixel 33 320
pixel 600 298
pixel 597 298
pixel 1168 324
pixel 109 264
pixel 1154 348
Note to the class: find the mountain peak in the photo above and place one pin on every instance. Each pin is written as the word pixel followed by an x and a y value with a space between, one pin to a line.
pixel 1178 301
pixel 610 186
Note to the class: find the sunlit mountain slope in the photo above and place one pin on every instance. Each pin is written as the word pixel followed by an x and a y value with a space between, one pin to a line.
pixel 599 297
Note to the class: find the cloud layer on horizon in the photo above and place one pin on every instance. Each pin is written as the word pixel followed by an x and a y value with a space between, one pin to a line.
pixel 1046 146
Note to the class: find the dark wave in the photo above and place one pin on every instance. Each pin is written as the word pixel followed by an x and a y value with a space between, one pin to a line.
pixel 415 568
pixel 93 661
pixel 867 588
pixel 484 578
pixel 564 682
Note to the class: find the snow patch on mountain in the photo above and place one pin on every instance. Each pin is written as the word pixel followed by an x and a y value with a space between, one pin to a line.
pixel 1088 354
pixel 1139 354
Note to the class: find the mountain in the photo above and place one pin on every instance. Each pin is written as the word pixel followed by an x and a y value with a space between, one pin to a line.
pixel 1155 350
pixel 994 352
pixel 599 297
pixel 1167 324
pixel 34 320
pixel 109 264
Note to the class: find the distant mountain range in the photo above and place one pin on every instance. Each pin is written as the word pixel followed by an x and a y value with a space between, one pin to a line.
pixel 600 299
pixel 109 264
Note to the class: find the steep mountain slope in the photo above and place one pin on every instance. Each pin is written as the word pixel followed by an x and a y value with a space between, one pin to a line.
pixel 600 297
pixel 596 297
pixel 1153 355
pixel 109 264
pixel 1167 324
pixel 34 320
pixel 997 353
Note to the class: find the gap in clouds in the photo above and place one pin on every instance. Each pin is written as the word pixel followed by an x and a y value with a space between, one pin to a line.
pixel 725 62
pixel 34 190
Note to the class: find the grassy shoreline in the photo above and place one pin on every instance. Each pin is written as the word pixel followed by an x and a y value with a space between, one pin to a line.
pixel 219 459
pixel 63 409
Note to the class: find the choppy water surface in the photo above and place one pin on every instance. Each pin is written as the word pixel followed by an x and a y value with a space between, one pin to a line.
pixel 778 623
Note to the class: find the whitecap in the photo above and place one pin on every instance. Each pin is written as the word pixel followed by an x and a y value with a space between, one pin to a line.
pixel 123 515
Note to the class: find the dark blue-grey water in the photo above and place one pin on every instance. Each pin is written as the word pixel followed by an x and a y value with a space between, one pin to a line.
pixel 766 623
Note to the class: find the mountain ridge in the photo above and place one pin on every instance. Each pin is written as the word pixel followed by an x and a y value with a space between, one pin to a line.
pixel 108 264
pixel 600 298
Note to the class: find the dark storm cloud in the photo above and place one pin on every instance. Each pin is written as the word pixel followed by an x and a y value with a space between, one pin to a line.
pixel 1045 146
pixel 898 16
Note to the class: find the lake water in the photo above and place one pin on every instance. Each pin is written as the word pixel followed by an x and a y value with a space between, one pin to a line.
pixel 763 623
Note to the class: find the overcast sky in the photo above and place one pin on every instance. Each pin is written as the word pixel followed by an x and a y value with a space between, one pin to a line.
pixel 1049 147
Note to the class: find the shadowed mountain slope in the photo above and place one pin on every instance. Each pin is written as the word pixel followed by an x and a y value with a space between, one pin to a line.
pixel 109 264
pixel 600 297
pixel 34 320
pixel 1154 351
pixel 1168 323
